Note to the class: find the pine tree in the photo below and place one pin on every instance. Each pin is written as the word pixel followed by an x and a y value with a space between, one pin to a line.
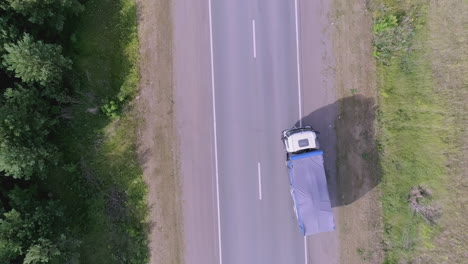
pixel 36 62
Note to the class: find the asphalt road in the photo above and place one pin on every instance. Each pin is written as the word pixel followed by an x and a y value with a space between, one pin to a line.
pixel 239 83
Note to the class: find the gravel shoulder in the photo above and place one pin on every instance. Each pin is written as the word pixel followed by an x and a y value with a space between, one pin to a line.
pixel 157 144
pixel 359 218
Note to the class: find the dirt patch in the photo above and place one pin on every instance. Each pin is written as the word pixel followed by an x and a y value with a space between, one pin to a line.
pixel 157 144
pixel 359 212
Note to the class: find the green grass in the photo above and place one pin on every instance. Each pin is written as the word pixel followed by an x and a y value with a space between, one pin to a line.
pixel 102 183
pixel 414 132
pixel 412 135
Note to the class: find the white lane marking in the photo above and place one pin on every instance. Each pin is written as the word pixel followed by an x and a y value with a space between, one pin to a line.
pixel 254 40
pixel 215 136
pixel 298 65
pixel 259 171
pixel 306 256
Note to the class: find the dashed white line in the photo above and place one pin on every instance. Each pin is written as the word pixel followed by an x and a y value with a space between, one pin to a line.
pixel 254 39
pixel 259 173
pixel 298 65
pixel 215 136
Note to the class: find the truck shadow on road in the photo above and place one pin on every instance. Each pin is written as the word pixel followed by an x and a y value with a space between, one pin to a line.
pixel 347 136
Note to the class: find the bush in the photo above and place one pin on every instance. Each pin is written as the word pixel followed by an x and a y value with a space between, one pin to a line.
pixel 392 35
pixel 111 109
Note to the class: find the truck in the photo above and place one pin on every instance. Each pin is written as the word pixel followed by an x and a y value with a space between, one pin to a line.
pixel 307 180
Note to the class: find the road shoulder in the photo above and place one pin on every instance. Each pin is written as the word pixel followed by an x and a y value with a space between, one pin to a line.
pixel 157 143
pixel 359 214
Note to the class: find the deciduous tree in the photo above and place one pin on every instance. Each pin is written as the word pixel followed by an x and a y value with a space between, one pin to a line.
pixel 25 123
pixel 30 230
pixel 52 12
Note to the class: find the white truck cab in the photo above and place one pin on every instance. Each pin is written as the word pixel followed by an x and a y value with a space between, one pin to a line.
pixel 298 140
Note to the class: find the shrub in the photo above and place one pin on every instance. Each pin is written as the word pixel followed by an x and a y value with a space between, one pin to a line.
pixel 392 34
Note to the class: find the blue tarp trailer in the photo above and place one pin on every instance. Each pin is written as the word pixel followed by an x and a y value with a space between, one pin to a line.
pixel 310 193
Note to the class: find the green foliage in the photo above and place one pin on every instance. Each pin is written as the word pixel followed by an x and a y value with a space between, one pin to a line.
pixel 110 185
pixel 36 62
pixel 29 229
pixel 50 12
pixel 97 177
pixel 412 125
pixel 393 31
pixel 110 109
pixel 8 32
pixel 42 252
pixel 25 123
pixel 386 23
pixel 9 248
pixel 36 217
pixel 113 68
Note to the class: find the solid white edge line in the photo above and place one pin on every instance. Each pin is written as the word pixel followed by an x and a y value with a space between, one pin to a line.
pixel 254 40
pixel 298 65
pixel 215 136
pixel 259 170
pixel 306 256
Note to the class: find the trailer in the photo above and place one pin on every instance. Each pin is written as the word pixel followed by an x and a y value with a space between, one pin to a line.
pixel 308 182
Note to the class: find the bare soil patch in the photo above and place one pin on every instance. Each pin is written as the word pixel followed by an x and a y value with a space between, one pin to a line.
pixel 157 141
pixel 359 215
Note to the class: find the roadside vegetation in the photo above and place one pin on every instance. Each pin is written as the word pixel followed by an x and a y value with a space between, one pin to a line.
pixel 421 61
pixel 71 188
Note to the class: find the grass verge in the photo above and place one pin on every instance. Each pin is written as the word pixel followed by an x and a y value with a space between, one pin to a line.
pixel 103 187
pixel 418 130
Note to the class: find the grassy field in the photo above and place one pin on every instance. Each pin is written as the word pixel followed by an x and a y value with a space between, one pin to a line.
pixel 421 126
pixel 103 187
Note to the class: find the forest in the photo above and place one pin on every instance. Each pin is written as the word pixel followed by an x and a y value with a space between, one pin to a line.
pixel 59 204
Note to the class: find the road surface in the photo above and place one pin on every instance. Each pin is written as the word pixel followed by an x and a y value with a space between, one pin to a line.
pixel 244 71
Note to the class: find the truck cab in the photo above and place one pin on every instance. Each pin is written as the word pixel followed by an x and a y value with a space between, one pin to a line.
pixel 300 140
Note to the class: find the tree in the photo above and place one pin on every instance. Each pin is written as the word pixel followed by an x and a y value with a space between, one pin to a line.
pixel 42 252
pixel 51 12
pixel 8 32
pixel 25 123
pixel 29 230
pixel 9 248
pixel 37 62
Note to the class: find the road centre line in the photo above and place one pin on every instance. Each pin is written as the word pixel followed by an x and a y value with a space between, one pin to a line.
pixel 215 136
pixel 254 39
pixel 259 172
pixel 298 65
